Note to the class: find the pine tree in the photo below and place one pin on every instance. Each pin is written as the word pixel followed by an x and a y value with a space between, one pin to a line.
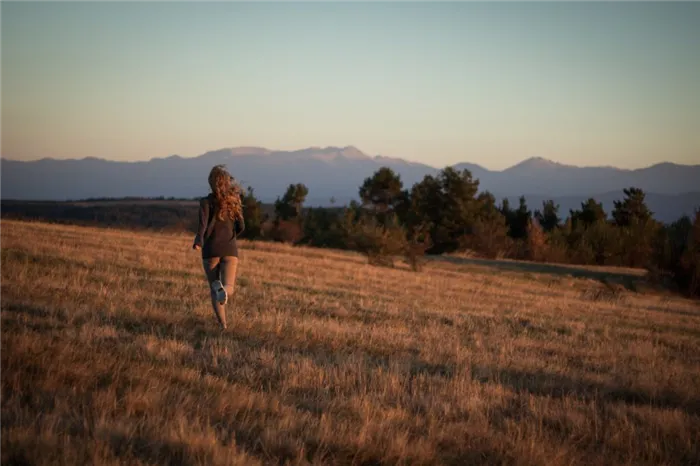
pixel 632 209
pixel 446 206
pixel 591 213
pixel 637 228
pixel 252 215
pixel 548 218
pixel 520 220
pixel 289 207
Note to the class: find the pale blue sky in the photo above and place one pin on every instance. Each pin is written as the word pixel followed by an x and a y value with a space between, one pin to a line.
pixel 490 83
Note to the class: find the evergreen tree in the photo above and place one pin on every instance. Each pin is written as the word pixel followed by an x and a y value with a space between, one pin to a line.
pixel 690 260
pixel 505 208
pixel 548 218
pixel 636 227
pixel 590 213
pixel 632 209
pixel 252 214
pixel 382 191
pixel 490 231
pixel 520 219
pixel 323 228
pixel 446 206
pixel 289 207
pixel 487 208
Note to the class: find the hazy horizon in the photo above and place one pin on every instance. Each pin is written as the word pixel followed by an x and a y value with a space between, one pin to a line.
pixel 273 151
pixel 584 84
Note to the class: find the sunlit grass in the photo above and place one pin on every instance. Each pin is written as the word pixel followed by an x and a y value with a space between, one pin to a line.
pixel 111 355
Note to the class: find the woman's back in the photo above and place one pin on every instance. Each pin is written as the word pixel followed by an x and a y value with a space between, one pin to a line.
pixel 216 237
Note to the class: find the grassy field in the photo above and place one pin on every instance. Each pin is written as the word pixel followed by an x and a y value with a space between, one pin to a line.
pixel 111 355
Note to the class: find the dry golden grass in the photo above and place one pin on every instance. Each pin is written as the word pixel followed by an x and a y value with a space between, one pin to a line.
pixel 111 355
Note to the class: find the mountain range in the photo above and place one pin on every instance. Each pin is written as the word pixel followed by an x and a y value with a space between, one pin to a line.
pixel 337 172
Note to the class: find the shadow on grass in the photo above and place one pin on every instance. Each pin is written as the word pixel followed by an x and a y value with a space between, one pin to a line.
pixel 558 386
pixel 667 310
pixel 13 457
pixel 156 451
pixel 11 256
pixel 12 323
pixel 628 279
pixel 337 293
pixel 30 310
pixel 191 329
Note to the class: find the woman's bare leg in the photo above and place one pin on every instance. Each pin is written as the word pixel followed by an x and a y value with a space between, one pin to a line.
pixel 212 269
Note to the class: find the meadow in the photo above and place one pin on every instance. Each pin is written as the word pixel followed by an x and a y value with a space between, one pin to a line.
pixel 111 355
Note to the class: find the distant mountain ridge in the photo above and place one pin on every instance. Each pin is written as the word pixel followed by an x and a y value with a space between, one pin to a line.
pixel 334 172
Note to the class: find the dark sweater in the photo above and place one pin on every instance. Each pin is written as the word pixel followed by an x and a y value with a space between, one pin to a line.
pixel 220 239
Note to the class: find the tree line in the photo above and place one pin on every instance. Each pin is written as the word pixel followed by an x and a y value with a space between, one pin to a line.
pixel 446 213
pixel 441 214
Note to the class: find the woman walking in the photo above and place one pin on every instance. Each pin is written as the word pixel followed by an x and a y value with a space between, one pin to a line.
pixel 220 222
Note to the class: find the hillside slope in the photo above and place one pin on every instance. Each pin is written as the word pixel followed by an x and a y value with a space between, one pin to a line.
pixel 111 355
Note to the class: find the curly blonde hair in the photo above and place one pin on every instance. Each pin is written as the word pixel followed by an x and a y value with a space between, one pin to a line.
pixel 227 194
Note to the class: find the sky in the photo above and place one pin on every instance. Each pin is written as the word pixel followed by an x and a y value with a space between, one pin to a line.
pixel 493 83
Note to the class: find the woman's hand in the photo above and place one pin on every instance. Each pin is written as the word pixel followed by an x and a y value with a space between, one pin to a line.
pixel 196 247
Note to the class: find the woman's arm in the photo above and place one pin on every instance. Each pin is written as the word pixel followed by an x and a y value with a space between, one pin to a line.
pixel 239 225
pixel 203 220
